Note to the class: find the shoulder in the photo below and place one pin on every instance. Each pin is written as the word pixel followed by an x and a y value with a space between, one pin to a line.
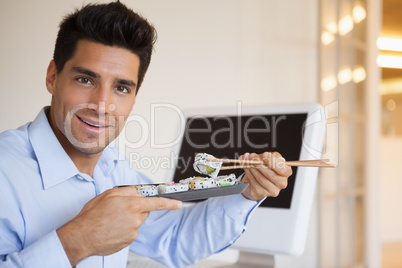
pixel 17 161
pixel 15 144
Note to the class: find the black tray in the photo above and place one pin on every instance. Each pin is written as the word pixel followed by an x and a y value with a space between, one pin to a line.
pixel 192 195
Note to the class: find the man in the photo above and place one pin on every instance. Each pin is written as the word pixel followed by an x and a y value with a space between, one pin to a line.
pixel 57 173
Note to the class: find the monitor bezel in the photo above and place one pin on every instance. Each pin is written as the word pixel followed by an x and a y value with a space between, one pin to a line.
pixel 285 229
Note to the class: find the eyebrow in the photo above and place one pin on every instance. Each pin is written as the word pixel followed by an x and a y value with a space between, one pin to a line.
pixel 90 73
pixel 125 82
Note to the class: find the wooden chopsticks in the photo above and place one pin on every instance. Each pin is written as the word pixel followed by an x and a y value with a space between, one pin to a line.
pixel 252 163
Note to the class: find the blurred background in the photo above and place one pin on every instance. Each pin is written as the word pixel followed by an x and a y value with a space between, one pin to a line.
pixel 344 54
pixel 390 61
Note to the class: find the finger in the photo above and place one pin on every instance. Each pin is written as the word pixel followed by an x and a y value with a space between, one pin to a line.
pixel 257 188
pixel 160 203
pixel 272 183
pixel 263 180
pixel 277 163
pixel 252 174
pixel 243 157
pixel 266 169
pixel 128 190
pixel 264 173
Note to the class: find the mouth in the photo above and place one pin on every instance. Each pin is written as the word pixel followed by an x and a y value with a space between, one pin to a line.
pixel 92 123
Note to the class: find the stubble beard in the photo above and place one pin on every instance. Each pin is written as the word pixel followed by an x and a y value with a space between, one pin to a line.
pixel 89 144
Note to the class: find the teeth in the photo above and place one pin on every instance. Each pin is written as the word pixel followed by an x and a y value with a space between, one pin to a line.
pixel 91 124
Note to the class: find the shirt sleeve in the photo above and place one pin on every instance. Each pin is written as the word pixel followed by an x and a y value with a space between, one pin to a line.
pixel 182 237
pixel 45 252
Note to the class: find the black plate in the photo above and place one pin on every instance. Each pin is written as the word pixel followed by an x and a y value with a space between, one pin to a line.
pixel 192 195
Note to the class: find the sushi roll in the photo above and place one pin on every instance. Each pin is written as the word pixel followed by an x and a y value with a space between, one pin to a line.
pixel 148 190
pixel 172 188
pixel 226 180
pixel 202 183
pixel 201 165
pixel 138 186
pixel 189 179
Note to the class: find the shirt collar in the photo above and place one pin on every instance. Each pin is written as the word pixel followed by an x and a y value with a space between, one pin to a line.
pixel 54 163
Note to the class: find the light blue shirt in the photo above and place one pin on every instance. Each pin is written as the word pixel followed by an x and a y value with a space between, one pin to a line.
pixel 41 189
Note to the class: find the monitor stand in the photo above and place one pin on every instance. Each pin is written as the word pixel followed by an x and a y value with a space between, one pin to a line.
pixel 253 260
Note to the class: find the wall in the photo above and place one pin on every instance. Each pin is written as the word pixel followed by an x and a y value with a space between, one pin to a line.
pixel 209 54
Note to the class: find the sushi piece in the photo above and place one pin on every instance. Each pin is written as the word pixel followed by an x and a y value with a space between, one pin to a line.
pixel 202 183
pixel 201 165
pixel 138 186
pixel 148 190
pixel 172 188
pixel 187 181
pixel 226 180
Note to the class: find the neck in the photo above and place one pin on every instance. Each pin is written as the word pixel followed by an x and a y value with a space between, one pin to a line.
pixel 85 163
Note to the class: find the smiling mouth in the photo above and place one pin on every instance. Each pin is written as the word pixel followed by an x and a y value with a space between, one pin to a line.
pixel 91 123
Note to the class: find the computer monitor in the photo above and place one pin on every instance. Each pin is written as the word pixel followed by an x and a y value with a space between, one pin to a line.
pixel 280 224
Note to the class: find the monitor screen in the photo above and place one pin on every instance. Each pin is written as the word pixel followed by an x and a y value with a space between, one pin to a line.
pixel 231 136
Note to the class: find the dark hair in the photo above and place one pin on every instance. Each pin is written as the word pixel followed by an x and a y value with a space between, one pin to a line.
pixel 110 24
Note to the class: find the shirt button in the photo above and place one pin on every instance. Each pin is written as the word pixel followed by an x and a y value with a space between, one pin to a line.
pixel 80 177
pixel 230 242
pixel 244 212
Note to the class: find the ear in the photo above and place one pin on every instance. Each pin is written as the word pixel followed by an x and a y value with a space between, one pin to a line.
pixel 51 77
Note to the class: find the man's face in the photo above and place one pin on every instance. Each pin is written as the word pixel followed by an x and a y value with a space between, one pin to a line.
pixel 92 96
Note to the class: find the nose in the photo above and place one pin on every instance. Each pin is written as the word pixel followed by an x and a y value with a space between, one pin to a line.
pixel 102 99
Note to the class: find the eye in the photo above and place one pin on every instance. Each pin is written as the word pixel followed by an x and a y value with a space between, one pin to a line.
pixel 84 80
pixel 122 89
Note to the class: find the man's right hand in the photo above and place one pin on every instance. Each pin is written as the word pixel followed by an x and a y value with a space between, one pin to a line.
pixel 109 222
